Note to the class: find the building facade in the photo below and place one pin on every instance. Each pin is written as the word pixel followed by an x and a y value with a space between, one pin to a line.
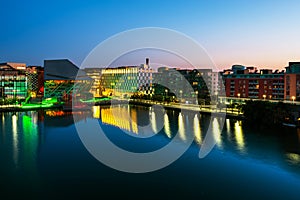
pixel 35 81
pixel 121 81
pixel 13 81
pixel 249 83
pixel 292 81
pixel 64 80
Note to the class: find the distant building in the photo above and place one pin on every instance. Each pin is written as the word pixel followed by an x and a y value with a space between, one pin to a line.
pixel 205 82
pixel 247 82
pixel 35 81
pixel 121 81
pixel 13 80
pixel 95 74
pixel 62 78
pixel 292 81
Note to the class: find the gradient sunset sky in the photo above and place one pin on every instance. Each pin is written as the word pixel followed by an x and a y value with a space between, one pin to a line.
pixel 258 33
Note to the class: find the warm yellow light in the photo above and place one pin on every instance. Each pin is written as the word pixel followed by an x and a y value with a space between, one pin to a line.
pixel 216 131
pixel 181 129
pixel 167 126
pixel 239 137
pixel 197 130
pixel 153 122
pixel 293 98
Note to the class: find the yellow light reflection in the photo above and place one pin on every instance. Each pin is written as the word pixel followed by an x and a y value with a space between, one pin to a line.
pixel 228 125
pixel 96 112
pixel 153 122
pixel 239 137
pixel 3 124
pixel 119 117
pixel 134 125
pixel 167 126
pixel 197 130
pixel 15 139
pixel 216 132
pixel 181 128
pixel 228 128
pixel 293 158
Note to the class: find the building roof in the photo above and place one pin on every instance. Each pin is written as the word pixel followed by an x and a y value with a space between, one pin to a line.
pixel 63 70
pixel 9 66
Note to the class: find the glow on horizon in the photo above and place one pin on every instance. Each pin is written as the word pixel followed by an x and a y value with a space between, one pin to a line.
pixel 259 33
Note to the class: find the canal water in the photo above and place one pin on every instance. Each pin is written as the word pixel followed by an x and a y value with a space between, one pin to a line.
pixel 42 157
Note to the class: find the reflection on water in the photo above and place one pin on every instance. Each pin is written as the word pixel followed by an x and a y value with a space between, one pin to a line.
pixel 216 131
pixel 181 130
pixel 197 130
pixel 21 130
pixel 24 134
pixel 153 121
pixel 239 137
pixel 119 116
pixel 293 158
pixel 15 139
pixel 167 128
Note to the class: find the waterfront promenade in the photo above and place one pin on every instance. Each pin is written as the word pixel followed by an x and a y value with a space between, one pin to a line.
pixel 205 109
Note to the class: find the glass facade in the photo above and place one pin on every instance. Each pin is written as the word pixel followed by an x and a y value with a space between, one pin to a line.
pixel 13 85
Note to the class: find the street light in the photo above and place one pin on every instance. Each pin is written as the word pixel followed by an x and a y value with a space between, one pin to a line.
pixel 166 91
pixel 264 96
pixel 180 91
pixel 293 98
pixel 238 95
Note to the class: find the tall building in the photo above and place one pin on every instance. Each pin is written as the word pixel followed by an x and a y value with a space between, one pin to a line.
pixel 292 81
pixel 35 81
pixel 13 81
pixel 247 82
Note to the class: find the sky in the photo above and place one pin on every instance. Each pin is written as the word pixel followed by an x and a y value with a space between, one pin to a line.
pixel 262 33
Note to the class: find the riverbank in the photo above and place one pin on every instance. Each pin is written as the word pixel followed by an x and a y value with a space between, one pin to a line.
pixel 203 109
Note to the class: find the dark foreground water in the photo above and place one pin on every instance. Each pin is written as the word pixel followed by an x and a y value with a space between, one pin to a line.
pixel 42 157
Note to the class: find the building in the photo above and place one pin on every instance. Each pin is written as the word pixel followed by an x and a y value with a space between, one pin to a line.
pixel 63 78
pixel 248 82
pixel 13 81
pixel 292 81
pixel 121 81
pixel 95 74
pixel 205 82
pixel 35 81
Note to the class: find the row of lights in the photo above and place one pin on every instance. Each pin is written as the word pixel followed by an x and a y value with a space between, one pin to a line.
pixel 264 96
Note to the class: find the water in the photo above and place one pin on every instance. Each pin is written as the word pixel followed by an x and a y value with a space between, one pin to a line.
pixel 41 156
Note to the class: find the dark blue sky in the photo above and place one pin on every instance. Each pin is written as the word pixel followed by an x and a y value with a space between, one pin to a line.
pixel 260 33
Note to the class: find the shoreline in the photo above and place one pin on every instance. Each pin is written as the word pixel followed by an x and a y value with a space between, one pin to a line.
pixel 147 103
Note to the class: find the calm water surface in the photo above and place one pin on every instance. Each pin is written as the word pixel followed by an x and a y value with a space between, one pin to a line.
pixel 41 156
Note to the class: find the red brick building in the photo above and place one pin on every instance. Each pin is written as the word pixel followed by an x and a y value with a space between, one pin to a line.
pixel 250 83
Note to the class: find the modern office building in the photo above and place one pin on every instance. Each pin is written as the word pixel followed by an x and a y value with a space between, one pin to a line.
pixel 13 81
pixel 248 82
pixel 95 74
pixel 63 78
pixel 121 81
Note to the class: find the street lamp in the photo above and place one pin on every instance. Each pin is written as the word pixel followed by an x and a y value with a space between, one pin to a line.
pixel 264 96
pixel 293 98
pixel 238 95
pixel 180 91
